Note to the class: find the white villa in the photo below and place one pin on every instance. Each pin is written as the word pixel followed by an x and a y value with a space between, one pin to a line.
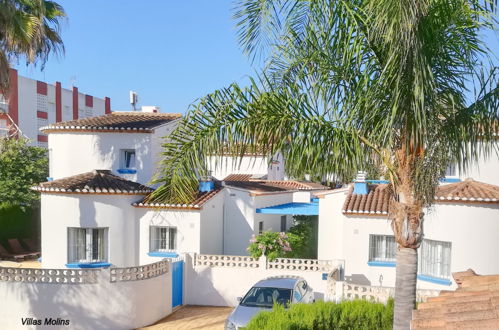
pixel 94 211
pixel 99 170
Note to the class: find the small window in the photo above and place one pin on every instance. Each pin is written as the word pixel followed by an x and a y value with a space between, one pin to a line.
pixel 260 227
pixel 128 159
pixel 87 245
pixel 382 248
pixel 451 171
pixel 163 239
pixel 435 259
pixel 283 223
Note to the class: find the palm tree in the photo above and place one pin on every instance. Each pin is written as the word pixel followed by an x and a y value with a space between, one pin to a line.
pixel 29 29
pixel 402 86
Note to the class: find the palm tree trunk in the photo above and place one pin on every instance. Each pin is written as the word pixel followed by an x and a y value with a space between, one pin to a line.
pixel 405 287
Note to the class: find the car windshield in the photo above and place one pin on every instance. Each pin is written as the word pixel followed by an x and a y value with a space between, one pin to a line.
pixel 266 297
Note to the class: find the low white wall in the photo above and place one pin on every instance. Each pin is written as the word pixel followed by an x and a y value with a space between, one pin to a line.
pixel 93 302
pixel 219 280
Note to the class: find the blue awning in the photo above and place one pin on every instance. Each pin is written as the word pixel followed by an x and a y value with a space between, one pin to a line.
pixel 291 209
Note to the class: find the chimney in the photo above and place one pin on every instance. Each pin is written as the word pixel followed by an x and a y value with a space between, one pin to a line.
pixel 360 184
pixel 206 185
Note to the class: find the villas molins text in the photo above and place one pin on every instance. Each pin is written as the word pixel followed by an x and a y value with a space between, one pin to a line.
pixel 46 321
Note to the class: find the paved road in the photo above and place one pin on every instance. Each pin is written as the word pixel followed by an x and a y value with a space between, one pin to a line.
pixel 194 317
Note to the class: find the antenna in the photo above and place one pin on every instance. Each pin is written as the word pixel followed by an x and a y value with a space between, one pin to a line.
pixel 134 99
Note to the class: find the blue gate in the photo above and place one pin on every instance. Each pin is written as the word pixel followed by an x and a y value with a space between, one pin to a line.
pixel 177 282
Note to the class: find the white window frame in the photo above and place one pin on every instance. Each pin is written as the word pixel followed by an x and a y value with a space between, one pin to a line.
pixel 165 243
pixel 456 171
pixel 382 248
pixel 123 159
pixel 81 245
pixel 435 259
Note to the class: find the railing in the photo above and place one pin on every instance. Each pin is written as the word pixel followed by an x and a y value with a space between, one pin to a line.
pixel 140 272
pixel 225 261
pixel 303 264
pixel 348 291
pixel 366 292
pixel 51 276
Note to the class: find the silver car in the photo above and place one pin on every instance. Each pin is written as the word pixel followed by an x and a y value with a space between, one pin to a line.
pixel 262 296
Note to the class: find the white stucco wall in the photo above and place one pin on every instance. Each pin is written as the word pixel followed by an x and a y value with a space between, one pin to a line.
pixel 221 167
pixel 212 225
pixel 486 169
pixel 101 305
pixel 74 153
pixel 471 228
pixel 241 219
pixel 220 286
pixel 60 211
pixel 188 229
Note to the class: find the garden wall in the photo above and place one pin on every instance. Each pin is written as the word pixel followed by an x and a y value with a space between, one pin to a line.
pixel 115 298
pixel 218 280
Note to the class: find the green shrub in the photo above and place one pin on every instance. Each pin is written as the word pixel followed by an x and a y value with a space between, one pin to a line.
pixel 356 314
pixel 273 244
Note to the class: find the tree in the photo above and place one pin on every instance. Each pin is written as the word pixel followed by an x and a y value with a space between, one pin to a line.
pixel 21 167
pixel 29 29
pixel 404 86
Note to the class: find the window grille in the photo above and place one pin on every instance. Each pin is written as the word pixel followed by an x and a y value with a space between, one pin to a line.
pixel 163 239
pixel 382 248
pixel 435 258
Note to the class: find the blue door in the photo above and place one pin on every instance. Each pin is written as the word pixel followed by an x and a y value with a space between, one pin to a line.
pixel 177 282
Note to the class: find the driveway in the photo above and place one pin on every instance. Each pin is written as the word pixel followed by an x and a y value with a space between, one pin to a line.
pixel 194 317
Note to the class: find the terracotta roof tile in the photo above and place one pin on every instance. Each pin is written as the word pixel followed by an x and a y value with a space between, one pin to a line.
pixel 473 305
pixel 469 191
pixel 95 182
pixel 375 202
pixel 259 186
pixel 197 203
pixel 275 185
pixel 238 177
pixel 115 122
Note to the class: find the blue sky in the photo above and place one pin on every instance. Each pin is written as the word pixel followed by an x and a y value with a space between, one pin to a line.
pixel 170 52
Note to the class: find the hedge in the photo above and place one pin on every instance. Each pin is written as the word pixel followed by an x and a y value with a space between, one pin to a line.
pixel 16 222
pixel 356 314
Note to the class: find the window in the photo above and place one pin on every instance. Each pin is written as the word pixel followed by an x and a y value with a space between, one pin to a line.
pixel 163 239
pixel 260 227
pixel 87 245
pixel 451 171
pixel 435 258
pixel 382 248
pixel 283 223
pixel 128 159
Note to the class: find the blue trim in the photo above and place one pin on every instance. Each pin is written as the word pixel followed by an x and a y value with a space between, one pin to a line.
pixel 50 178
pixel 88 265
pixel 382 263
pixel 360 188
pixel 450 180
pixel 435 280
pixel 127 171
pixel 163 254
pixel 291 209
pixel 314 200
pixel 39 259
pixel 377 181
pixel 206 186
